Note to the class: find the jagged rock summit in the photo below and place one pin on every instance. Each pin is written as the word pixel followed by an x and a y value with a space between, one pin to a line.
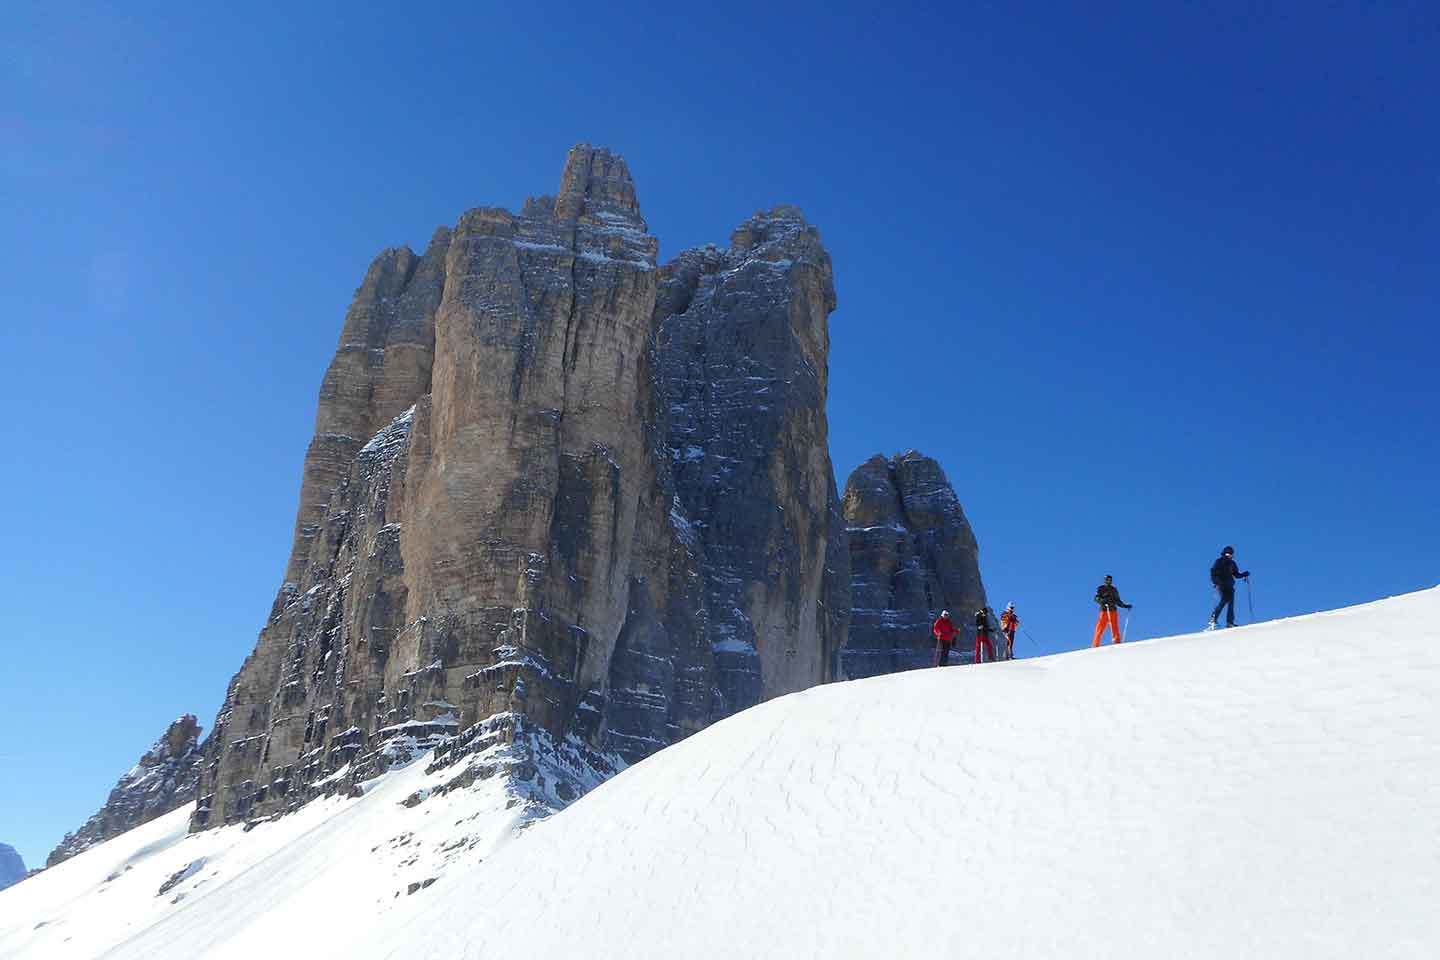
pixel 912 554
pixel 562 507
pixel 12 866
pixel 163 779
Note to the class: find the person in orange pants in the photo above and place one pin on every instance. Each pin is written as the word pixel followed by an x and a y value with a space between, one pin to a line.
pixel 1109 599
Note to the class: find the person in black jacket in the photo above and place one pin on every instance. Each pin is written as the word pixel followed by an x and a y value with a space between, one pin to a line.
pixel 982 635
pixel 1109 599
pixel 1223 574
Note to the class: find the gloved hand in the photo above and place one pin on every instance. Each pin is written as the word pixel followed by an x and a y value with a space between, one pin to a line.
pixel 1245 575
pixel 1128 606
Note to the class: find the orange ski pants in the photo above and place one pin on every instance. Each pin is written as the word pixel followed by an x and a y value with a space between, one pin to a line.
pixel 1110 618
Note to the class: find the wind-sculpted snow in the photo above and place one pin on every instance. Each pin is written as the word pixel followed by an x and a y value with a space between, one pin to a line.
pixel 1262 792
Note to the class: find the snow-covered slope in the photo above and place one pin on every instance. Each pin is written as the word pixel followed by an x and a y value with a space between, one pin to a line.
pixel 1270 791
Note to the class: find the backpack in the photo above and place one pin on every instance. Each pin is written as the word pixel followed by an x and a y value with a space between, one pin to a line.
pixel 1217 571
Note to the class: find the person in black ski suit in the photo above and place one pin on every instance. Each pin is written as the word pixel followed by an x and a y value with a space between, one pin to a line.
pixel 1223 573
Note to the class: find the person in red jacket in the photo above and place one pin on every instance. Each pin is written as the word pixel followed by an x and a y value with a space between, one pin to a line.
pixel 944 631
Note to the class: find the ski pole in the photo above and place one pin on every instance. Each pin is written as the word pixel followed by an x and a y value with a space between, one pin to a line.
pixel 1125 628
pixel 1250 599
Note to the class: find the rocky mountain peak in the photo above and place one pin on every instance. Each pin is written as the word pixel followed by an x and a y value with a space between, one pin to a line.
pixel 163 779
pixel 181 737
pixel 595 181
pixel 559 502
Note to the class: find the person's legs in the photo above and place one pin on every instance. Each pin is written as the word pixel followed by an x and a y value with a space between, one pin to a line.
pixel 1215 614
pixel 1227 600
pixel 1115 625
pixel 1099 628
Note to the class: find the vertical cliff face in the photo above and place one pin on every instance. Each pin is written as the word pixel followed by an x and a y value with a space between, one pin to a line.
pixel 504 525
pixel 912 554
pixel 162 780
pixel 744 351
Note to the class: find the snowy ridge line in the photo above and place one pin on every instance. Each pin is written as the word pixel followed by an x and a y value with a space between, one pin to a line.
pixel 1105 801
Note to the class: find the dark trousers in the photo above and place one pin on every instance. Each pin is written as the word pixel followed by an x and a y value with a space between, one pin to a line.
pixel 1227 599
pixel 1009 644
pixel 942 652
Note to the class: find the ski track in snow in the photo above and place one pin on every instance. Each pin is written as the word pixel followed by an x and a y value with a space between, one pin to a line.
pixel 1269 791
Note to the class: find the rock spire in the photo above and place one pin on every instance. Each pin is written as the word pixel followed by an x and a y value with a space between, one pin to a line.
pixel 558 497
pixel 912 554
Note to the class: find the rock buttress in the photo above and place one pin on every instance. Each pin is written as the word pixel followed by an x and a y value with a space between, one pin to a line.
pixel 744 353
pixel 912 554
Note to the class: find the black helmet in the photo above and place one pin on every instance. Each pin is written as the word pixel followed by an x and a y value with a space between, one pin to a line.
pixel 1227 551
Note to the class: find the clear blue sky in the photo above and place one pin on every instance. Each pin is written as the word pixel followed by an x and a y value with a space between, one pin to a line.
pixel 1147 279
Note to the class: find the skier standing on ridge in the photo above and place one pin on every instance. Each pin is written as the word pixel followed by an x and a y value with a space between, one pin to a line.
pixel 1009 623
pixel 982 634
pixel 1109 599
pixel 1223 574
pixel 944 631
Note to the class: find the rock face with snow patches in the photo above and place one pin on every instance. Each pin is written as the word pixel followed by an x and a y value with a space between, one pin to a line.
pixel 520 516
pixel 912 554
pixel 162 780
pixel 744 347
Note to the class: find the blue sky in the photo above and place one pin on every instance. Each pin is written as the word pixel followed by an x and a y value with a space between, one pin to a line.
pixel 1145 278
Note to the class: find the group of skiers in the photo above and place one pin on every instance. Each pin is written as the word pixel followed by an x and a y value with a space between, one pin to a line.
pixel 945 633
pixel 1223 574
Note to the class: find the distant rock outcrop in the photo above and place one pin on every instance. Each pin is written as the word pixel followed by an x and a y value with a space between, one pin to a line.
pixel 912 554
pixel 12 866
pixel 557 497
pixel 164 779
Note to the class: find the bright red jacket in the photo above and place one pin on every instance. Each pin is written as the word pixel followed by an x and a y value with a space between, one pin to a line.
pixel 944 630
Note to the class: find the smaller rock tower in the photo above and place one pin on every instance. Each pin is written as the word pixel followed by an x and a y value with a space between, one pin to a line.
pixel 912 554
